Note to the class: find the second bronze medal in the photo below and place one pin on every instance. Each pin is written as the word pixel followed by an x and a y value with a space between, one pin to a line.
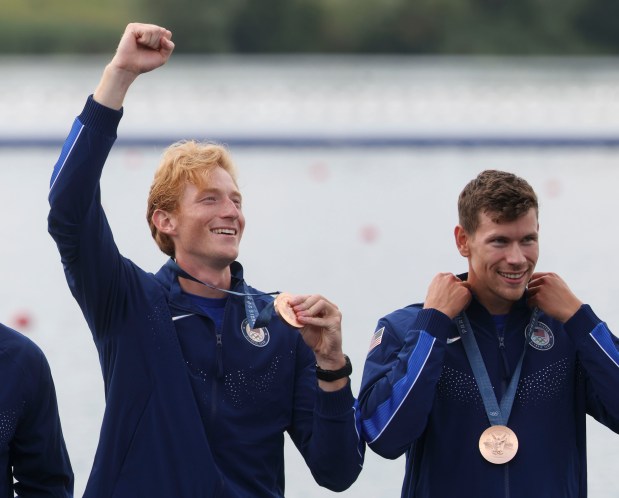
pixel 498 444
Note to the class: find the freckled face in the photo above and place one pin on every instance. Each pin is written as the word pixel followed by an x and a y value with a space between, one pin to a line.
pixel 210 222
pixel 502 258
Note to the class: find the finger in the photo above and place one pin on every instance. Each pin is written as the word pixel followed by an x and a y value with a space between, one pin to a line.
pixel 534 284
pixel 314 308
pixel 465 300
pixel 151 36
pixel 297 300
pixel 545 280
pixel 540 274
pixel 316 321
pixel 330 324
pixel 167 47
pixel 313 304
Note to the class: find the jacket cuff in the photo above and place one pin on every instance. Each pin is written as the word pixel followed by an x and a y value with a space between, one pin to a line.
pixel 335 403
pixel 582 323
pixel 435 322
pixel 100 118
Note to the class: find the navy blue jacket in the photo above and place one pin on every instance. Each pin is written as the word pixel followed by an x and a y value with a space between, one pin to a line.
pixel 191 411
pixel 32 448
pixel 419 397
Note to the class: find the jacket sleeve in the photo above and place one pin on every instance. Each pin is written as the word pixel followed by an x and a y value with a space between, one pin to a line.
pixel 399 378
pixel 598 354
pixel 324 427
pixel 41 465
pixel 92 264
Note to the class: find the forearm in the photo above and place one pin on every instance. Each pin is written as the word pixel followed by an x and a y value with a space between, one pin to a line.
pixel 113 86
pixel 324 427
pixel 394 409
pixel 335 451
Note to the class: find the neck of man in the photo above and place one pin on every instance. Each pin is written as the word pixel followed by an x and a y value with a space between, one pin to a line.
pixel 220 277
pixel 494 304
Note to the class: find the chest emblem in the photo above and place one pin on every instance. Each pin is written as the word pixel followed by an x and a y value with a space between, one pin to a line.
pixel 256 337
pixel 542 338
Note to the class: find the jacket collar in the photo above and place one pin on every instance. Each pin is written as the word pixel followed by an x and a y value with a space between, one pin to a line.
pixel 477 312
pixel 168 278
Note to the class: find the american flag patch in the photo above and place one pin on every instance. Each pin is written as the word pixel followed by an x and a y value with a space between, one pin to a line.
pixel 376 338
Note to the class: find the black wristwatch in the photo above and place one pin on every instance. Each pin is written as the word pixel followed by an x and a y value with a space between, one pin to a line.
pixel 331 375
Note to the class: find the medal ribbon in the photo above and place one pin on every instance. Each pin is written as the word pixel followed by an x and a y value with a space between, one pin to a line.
pixel 254 318
pixel 497 415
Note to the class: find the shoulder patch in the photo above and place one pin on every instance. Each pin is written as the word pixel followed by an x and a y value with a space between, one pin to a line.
pixel 376 338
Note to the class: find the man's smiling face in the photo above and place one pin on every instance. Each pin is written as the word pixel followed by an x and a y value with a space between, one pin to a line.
pixel 209 222
pixel 502 258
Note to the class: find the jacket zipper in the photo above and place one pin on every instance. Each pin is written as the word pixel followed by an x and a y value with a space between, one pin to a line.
pixel 218 375
pixel 219 365
pixel 505 378
pixel 219 347
pixel 219 356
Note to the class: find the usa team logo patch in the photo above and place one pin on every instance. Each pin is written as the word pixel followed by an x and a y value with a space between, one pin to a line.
pixel 256 337
pixel 542 337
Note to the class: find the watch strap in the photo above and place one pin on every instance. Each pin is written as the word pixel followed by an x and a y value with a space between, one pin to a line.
pixel 332 375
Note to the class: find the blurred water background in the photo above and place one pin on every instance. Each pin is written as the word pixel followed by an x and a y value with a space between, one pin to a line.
pixel 350 168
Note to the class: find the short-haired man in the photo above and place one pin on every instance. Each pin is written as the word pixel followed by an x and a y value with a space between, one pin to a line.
pixel 200 389
pixel 33 456
pixel 485 386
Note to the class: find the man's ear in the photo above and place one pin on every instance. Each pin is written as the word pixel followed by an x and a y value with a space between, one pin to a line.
pixel 164 221
pixel 462 241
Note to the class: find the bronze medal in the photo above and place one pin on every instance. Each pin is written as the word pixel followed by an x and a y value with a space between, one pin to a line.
pixel 498 444
pixel 284 310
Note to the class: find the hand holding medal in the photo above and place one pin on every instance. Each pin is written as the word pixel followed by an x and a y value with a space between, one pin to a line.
pixel 320 324
pixel 319 321
pixel 285 311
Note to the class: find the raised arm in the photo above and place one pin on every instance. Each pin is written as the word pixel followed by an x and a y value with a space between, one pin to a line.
pixel 93 265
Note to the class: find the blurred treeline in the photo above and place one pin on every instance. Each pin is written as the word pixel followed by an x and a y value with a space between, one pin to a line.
pixel 546 27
